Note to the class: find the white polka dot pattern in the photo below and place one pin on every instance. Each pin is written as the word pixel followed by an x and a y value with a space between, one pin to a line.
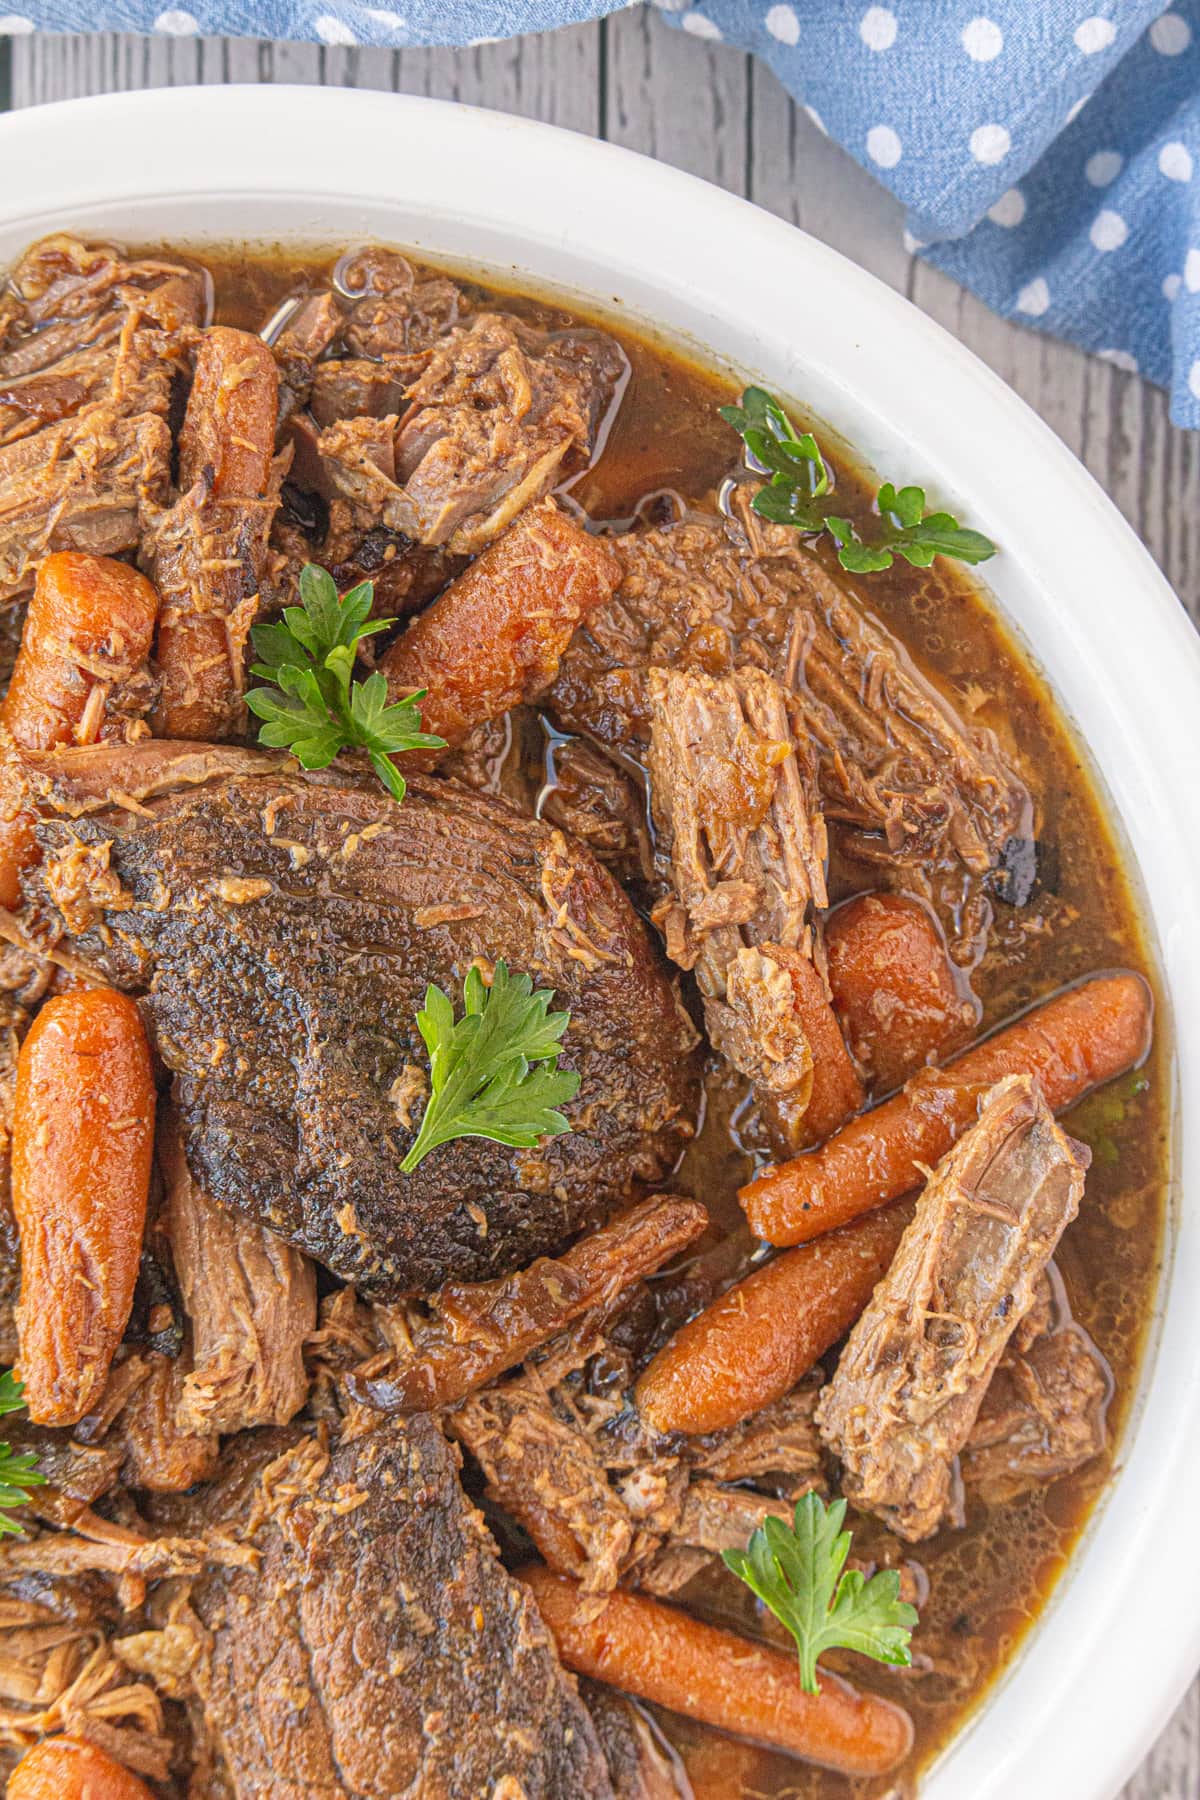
pixel 1170 35
pixel 1009 209
pixel 1034 298
pixel 982 39
pixel 1109 230
pixel 1046 152
pixel 783 25
pixel 1103 167
pixel 990 143
pixel 877 28
pixel 1175 162
pixel 884 147
pixel 1094 35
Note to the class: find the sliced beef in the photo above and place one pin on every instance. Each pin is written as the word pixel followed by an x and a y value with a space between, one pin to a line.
pixel 500 413
pixel 733 791
pixel 494 638
pixel 208 552
pixel 897 763
pixel 379 1648
pixel 913 1376
pixel 641 1763
pixel 250 1299
pixel 444 1349
pixel 285 929
pixel 1044 1414
pixel 88 359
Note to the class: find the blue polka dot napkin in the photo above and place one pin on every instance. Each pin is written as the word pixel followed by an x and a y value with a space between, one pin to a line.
pixel 1047 150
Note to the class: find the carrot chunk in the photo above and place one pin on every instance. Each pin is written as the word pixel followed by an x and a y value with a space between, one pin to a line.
pixel 83 1131
pixel 495 636
pixel 208 559
pixel 1069 1044
pixel 66 1768
pixel 89 626
pixel 763 1335
pixel 665 1656
pixel 894 986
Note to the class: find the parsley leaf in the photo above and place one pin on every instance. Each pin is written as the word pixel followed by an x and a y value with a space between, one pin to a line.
pixel 18 1473
pixel 493 1073
pixel 798 477
pixel 315 707
pixel 797 1571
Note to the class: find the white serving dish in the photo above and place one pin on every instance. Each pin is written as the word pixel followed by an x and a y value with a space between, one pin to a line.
pixel 1120 1639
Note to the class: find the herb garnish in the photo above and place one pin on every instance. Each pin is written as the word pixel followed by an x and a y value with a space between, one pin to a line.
pixel 798 481
pixel 18 1473
pixel 797 1571
pixel 493 1073
pixel 318 709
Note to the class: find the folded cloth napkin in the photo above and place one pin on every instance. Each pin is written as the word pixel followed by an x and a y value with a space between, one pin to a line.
pixel 1048 151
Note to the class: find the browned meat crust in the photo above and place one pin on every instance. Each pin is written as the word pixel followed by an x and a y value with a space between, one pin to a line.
pixel 88 357
pixel 286 929
pixel 438 1680
pixel 895 760
pixel 462 1337
pixel 733 791
pixel 251 1301
pixel 912 1378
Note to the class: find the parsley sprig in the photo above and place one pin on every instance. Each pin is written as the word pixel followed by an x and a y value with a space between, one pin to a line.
pixel 315 707
pixel 800 1573
pixel 18 1471
pixel 493 1073
pixel 798 482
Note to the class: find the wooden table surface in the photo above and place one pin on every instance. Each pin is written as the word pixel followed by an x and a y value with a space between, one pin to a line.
pixel 721 115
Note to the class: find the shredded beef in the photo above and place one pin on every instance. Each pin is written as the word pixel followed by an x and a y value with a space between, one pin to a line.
pixel 910 1382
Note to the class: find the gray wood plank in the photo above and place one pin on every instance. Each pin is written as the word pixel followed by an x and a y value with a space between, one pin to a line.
pixel 713 112
pixel 678 98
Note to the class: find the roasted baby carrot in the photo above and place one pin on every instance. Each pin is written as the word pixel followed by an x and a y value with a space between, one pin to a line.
pixel 83 1131
pixel 1080 1038
pixel 206 564
pixel 663 1655
pixel 495 636
pixel 895 989
pixel 89 627
pixel 763 1335
pixel 67 1768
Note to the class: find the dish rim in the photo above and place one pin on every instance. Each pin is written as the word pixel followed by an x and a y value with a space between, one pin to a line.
pixel 502 195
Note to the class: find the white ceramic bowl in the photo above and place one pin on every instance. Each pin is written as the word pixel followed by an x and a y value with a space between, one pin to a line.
pixel 1121 1636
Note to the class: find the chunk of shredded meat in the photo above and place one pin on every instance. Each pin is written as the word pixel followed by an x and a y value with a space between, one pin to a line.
pixel 912 1379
